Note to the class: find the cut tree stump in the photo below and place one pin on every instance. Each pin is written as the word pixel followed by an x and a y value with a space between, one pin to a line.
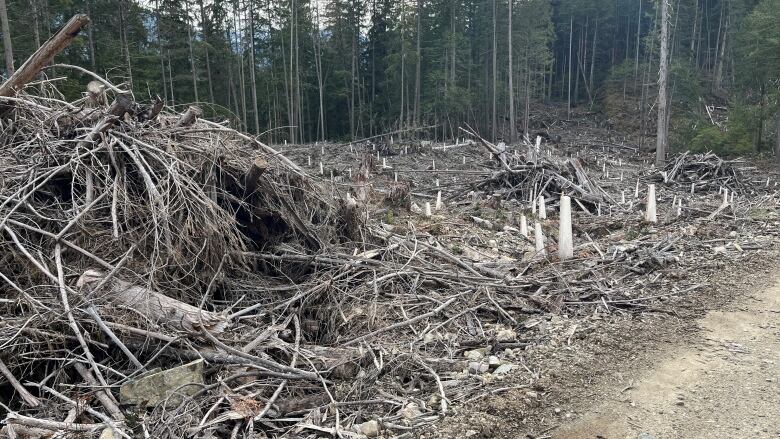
pixel 189 116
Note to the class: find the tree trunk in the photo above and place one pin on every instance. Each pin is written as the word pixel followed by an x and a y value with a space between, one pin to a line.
pixel 241 76
pixel 577 64
pixel 638 35
pixel 193 70
pixel 495 69
pixel 527 106
pixel 625 58
pixel 318 65
pixel 777 138
pixel 403 72
pixel 593 63
pixel 160 48
pixel 170 78
pixel 352 67
pixel 37 24
pixel 157 307
pixel 571 37
pixel 204 29
pixel 512 123
pixel 418 78
pixel 37 33
pixel 695 25
pixel 252 67
pixel 662 131
pixel 7 46
pixel 717 86
pixel 291 88
pixel 298 100
pixel 125 43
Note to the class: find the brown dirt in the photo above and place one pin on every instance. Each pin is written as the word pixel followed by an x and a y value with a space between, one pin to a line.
pixel 709 370
pixel 723 383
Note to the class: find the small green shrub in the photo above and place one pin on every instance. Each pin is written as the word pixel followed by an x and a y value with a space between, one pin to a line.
pixel 735 141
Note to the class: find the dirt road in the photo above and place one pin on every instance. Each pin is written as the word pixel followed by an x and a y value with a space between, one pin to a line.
pixel 722 383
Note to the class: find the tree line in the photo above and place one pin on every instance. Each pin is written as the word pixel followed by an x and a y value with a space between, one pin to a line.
pixel 305 70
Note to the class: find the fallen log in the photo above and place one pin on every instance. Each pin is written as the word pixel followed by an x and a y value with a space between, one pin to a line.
pixel 43 56
pixel 158 307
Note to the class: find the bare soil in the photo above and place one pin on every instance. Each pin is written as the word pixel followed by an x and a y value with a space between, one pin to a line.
pixel 722 383
pixel 709 370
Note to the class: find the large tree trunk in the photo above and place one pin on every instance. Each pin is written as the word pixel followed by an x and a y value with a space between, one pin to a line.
pixel 662 131
pixel 43 55
pixel 7 46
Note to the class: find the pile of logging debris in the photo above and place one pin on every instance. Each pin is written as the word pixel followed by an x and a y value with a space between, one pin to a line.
pixel 165 276
pixel 705 171
pixel 538 173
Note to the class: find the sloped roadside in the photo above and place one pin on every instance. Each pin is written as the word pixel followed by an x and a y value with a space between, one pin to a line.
pixel 721 384
pixel 654 373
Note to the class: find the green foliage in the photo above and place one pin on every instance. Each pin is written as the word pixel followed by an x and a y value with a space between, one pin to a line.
pixel 758 69
pixel 363 56
pixel 712 138
pixel 619 95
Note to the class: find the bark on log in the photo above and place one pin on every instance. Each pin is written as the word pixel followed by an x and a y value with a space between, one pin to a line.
pixel 43 55
pixel 158 307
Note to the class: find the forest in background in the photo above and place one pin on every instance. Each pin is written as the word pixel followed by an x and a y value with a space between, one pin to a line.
pixel 302 70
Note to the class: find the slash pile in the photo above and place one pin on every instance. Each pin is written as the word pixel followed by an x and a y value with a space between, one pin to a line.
pixel 165 276
pixel 706 171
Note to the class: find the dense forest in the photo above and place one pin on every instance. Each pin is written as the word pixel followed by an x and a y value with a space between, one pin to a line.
pixel 305 70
